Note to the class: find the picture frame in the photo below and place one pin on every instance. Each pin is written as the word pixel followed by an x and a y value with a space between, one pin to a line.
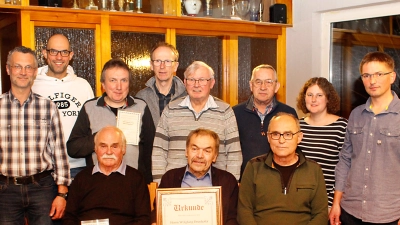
pixel 196 206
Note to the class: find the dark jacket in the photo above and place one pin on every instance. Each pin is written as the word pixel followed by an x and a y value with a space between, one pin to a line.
pixel 249 123
pixel 230 189
pixel 94 115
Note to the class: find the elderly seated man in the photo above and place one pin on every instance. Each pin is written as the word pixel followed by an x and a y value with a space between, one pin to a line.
pixel 282 187
pixel 110 189
pixel 202 147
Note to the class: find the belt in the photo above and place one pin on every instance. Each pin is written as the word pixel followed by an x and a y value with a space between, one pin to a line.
pixel 26 179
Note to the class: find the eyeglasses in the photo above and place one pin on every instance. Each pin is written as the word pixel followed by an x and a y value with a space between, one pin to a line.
pixel 267 82
pixel 158 62
pixel 28 69
pixel 202 81
pixel 377 75
pixel 54 52
pixel 286 136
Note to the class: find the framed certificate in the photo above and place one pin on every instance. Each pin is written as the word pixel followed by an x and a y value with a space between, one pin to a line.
pixel 196 206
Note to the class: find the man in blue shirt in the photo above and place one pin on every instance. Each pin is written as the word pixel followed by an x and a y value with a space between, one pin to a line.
pixel 202 147
pixel 366 183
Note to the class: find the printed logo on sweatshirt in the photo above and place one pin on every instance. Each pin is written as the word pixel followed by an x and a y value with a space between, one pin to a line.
pixel 64 101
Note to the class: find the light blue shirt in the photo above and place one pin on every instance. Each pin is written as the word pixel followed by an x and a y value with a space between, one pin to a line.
pixel 190 180
pixel 121 169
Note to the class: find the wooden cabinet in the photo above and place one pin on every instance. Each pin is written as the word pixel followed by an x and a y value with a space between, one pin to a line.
pixel 103 23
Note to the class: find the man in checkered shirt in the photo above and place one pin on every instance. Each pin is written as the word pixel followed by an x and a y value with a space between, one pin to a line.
pixel 34 170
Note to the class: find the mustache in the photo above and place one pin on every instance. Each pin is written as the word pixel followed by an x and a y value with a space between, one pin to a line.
pixel 109 157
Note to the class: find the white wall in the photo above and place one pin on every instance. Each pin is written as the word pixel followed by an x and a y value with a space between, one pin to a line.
pixel 308 41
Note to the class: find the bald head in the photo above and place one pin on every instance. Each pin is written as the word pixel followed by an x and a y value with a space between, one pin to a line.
pixel 58 40
pixel 57 54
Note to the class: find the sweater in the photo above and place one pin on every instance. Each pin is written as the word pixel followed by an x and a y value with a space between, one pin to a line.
pixel 252 142
pixel 175 125
pixel 262 199
pixel 323 144
pixel 148 94
pixel 95 115
pixel 123 199
pixel 230 189
pixel 69 94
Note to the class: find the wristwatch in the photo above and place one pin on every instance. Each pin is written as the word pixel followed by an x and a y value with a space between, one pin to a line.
pixel 63 195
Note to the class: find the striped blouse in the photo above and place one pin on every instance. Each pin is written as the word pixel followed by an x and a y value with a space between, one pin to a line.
pixel 322 144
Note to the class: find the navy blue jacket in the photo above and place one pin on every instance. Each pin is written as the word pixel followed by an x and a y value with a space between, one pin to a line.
pixel 252 142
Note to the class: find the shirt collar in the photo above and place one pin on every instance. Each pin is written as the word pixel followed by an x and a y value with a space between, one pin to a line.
pixel 210 104
pixel 121 169
pixel 187 172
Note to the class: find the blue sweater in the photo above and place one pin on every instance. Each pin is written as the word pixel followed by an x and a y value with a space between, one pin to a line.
pixel 249 124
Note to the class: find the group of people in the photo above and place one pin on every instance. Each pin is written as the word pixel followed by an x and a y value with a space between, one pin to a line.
pixel 66 154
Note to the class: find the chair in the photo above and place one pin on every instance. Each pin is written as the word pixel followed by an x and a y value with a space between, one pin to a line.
pixel 152 191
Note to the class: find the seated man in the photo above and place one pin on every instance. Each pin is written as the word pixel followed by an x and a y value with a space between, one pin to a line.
pixel 110 189
pixel 202 147
pixel 283 187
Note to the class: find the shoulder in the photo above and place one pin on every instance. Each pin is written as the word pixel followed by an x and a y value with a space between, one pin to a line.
pixel 239 106
pixel 285 108
pixel 259 159
pixel 223 174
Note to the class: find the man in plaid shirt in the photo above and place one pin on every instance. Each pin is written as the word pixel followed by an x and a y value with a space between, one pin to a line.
pixel 34 170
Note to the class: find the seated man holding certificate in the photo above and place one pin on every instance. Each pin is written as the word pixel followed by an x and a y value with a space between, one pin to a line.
pixel 115 108
pixel 110 191
pixel 202 147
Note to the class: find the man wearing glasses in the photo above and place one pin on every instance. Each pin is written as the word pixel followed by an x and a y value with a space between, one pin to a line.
pixel 253 115
pixel 58 82
pixel 163 87
pixel 197 109
pixel 366 176
pixel 282 187
pixel 34 170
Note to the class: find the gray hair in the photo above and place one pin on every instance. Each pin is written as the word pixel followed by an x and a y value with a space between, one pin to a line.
pixel 116 129
pixel 22 49
pixel 263 66
pixel 195 66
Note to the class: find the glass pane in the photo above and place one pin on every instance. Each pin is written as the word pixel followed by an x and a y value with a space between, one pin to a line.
pixel 348 49
pixel 206 49
pixel 253 52
pixel 134 48
pixel 82 44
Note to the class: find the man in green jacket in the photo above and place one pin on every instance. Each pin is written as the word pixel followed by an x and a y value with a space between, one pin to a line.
pixel 283 187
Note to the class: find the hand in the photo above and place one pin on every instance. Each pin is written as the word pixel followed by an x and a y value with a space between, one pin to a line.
pixel 334 215
pixel 58 208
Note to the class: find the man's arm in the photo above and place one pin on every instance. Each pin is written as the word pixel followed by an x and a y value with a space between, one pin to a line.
pixel 74 198
pixel 232 144
pixel 146 145
pixel 245 208
pixel 160 148
pixel 319 203
pixel 141 205
pixel 233 201
pixel 61 166
pixel 81 140
pixel 334 215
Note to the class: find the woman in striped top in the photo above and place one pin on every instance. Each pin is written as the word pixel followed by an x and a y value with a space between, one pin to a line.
pixel 323 131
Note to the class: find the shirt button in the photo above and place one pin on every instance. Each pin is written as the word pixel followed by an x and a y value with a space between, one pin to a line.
pixel 369 151
pixel 366 168
pixel 364 201
pixel 365 186
pixel 374 118
pixel 370 134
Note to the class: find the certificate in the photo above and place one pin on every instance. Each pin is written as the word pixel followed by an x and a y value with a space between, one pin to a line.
pixel 129 123
pixel 95 222
pixel 195 206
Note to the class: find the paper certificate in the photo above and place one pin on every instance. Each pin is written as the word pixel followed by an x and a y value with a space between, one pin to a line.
pixel 195 206
pixel 129 123
pixel 95 222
